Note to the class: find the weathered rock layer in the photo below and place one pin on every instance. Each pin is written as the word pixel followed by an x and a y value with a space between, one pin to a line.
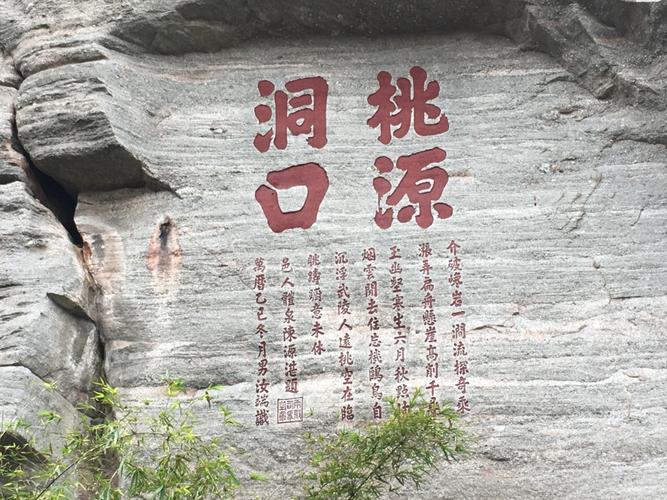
pixel 142 113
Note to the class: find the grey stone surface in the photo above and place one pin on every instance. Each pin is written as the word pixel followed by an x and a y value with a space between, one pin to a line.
pixel 23 396
pixel 42 281
pixel 40 274
pixel 556 154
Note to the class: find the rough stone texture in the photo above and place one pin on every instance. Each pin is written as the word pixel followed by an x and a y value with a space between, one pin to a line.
pixel 46 300
pixel 41 278
pixel 23 395
pixel 556 155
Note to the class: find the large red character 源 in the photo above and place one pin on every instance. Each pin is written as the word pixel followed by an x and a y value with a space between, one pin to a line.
pixel 304 113
pixel 310 175
pixel 421 183
pixel 410 106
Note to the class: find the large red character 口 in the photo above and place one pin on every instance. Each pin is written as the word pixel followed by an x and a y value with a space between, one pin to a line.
pixel 310 175
pixel 302 114
pixel 410 106
pixel 421 183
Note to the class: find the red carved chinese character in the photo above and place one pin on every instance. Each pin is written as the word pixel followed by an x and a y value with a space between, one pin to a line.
pixel 345 324
pixel 291 385
pixel 460 349
pixel 426 267
pixel 457 299
pixel 307 116
pixel 398 110
pixel 455 263
pixel 421 184
pixel 461 367
pixel 432 386
pixel 315 294
pixel 458 331
pixel 260 282
pixel 375 356
pixel 347 413
pixel 425 250
pixel 310 175
pixel 401 374
pixel 368 254
pixel 462 404
pixel 377 411
pixel 318 348
pixel 262 367
pixel 317 330
pixel 261 417
pixel 400 355
pixel 402 391
pixel 261 347
pixel 455 279
pixel 288 298
pixel 428 300
pixel 262 385
pixel 453 247
pixel 313 259
pixel 375 373
pixel 461 384
pixel 429 334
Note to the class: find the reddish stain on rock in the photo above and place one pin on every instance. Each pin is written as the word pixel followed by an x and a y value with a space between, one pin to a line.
pixel 164 252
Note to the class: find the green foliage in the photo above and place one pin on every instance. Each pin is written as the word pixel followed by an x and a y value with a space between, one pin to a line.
pixel 160 457
pixel 403 449
pixel 121 451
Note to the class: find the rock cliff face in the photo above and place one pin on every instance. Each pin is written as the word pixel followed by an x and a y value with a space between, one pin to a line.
pixel 130 229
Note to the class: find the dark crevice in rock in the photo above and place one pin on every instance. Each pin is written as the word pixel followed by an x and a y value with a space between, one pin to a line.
pixel 156 185
pixel 50 192
pixel 52 195
pixel 96 291
pixel 17 453
pixel 69 304
pixel 651 136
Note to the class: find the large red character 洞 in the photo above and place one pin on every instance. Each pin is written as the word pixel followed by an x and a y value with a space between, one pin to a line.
pixel 310 175
pixel 308 115
pixel 410 105
pixel 421 183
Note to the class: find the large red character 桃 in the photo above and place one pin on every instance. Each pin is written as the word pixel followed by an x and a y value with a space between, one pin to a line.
pixel 410 106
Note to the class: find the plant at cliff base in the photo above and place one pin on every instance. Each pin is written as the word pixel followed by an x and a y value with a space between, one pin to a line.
pixel 382 457
pixel 129 456
pixel 122 453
